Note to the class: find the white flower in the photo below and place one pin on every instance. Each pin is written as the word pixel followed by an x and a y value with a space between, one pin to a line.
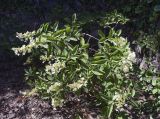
pixel 45 58
pixel 122 42
pixel 24 48
pixel 57 102
pixel 125 69
pixel 19 35
pixel 50 69
pixel 16 51
pixel 77 85
pixel 123 39
pixel 119 99
pixel 55 68
pixel 131 57
pixel 25 36
pixel 116 97
pixel 55 87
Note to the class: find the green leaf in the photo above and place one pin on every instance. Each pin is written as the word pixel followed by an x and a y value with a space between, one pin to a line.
pixel 133 92
pixel 75 50
pixel 101 40
pixel 111 33
pixel 72 39
pixel 55 26
pixel 85 56
pixel 120 117
pixel 98 57
pixel 74 18
pixel 154 91
pixel 154 82
pixel 82 41
pixel 64 53
pixel 70 47
pixel 98 73
pixel 101 34
pixel 110 110
pixel 68 29
pixel 45 27
pixel 50 37
pixel 117 53
pixel 83 63
pixel 49 49
pixel 85 46
pixel 119 32
pixel 99 62
pixel 74 58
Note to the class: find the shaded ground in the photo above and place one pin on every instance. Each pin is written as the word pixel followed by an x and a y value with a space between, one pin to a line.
pixel 12 104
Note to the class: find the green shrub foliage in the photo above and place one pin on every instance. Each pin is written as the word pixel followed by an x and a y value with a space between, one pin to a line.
pixel 60 63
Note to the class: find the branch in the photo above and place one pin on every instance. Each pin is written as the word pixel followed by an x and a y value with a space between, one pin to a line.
pixel 90 36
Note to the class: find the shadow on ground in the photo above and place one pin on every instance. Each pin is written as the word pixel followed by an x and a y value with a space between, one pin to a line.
pixel 12 104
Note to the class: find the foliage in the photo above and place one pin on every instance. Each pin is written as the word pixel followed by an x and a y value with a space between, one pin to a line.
pixel 145 17
pixel 60 61
pixel 146 100
pixel 149 41
pixel 65 65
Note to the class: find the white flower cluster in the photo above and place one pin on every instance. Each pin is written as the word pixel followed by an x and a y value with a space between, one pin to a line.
pixel 116 97
pixel 55 68
pixel 121 42
pixel 119 99
pixel 25 36
pixel 57 102
pixel 25 48
pixel 55 87
pixel 127 62
pixel 131 56
pixel 77 85
pixel 45 58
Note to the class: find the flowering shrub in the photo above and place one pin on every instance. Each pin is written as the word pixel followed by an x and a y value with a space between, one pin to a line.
pixel 65 65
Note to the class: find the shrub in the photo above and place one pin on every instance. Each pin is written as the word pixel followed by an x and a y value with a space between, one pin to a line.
pixel 60 63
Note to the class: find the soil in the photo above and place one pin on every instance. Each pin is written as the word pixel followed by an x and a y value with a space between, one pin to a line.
pixel 13 105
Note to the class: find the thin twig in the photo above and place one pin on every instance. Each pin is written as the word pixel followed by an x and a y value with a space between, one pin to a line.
pixel 90 36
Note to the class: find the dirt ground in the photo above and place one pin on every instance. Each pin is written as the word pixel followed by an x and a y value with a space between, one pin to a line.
pixel 12 104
